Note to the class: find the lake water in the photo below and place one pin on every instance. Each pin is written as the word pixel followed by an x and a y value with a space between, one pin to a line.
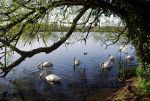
pixel 77 83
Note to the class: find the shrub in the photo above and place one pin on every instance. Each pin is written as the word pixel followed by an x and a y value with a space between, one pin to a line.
pixel 143 73
pixel 143 85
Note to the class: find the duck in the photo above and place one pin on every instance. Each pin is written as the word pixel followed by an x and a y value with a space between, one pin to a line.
pixel 130 58
pixel 45 64
pixel 107 64
pixel 76 62
pixel 85 53
pixel 50 78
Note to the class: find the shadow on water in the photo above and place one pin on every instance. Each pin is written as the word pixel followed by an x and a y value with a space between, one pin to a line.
pixel 85 82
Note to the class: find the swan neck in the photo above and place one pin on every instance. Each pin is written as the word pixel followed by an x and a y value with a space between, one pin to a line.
pixel 74 60
pixel 40 67
pixel 43 76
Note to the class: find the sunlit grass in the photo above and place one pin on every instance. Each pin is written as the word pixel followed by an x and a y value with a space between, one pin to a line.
pixel 143 76
pixel 143 85
pixel 143 73
pixel 143 82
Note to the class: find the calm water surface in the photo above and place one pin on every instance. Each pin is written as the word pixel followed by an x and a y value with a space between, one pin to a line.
pixel 77 84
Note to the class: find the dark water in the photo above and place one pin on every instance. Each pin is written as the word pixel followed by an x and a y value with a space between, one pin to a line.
pixel 77 84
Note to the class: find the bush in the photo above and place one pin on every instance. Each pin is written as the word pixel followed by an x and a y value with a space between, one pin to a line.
pixel 143 85
pixel 140 72
pixel 143 73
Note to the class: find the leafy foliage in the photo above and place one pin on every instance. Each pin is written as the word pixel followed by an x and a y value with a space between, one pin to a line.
pixel 143 85
pixel 143 82
pixel 143 72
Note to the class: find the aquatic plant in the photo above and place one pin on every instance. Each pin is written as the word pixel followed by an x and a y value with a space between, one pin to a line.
pixel 125 71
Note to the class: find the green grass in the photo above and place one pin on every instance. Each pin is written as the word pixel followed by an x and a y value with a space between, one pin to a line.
pixel 143 82
pixel 143 73
pixel 143 85
pixel 143 76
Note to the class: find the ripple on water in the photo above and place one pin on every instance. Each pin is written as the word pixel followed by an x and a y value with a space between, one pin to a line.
pixel 84 82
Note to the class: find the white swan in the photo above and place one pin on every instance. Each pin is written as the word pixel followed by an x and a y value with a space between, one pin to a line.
pixel 112 58
pixel 49 78
pixel 130 58
pixel 45 64
pixel 107 64
pixel 123 49
pixel 76 62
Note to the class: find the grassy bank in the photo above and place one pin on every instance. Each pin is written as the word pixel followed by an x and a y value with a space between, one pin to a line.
pixel 135 87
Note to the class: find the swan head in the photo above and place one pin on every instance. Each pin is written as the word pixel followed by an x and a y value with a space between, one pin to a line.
pixel 40 64
pixel 43 75
pixel 102 64
pixel 112 58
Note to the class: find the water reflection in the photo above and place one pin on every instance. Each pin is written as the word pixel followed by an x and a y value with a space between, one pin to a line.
pixel 77 83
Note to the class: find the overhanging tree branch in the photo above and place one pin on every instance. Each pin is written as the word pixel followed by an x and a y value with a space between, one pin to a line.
pixel 53 47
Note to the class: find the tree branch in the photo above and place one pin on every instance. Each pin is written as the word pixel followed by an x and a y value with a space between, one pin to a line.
pixel 53 47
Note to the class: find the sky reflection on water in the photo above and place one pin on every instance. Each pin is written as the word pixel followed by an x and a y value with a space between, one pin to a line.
pixel 75 82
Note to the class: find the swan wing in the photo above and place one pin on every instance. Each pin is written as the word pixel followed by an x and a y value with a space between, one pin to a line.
pixel 107 64
pixel 52 77
pixel 112 58
pixel 47 64
pixel 77 62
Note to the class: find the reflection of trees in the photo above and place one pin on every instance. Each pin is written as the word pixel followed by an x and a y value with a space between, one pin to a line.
pixel 109 38
pixel 30 38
